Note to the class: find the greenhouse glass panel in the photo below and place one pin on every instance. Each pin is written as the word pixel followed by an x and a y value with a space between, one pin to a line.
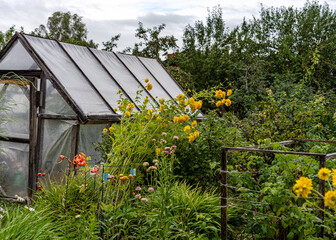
pixel 15 120
pixel 54 102
pixel 161 74
pixel 137 68
pixel 89 136
pixel 14 159
pixel 69 75
pixel 56 141
pixel 17 58
pixel 95 72
pixel 122 75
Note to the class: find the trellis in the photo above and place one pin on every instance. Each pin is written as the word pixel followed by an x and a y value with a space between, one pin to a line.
pixel 322 158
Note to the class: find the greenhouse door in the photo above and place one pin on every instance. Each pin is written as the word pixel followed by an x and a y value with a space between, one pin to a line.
pixel 18 136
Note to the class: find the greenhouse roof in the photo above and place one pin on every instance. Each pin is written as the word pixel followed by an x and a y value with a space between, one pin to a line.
pixel 89 79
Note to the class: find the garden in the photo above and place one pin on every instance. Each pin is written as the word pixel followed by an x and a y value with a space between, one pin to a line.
pixel 160 172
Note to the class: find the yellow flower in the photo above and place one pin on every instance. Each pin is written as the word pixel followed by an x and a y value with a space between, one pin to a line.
pixel 330 199
pixel 303 187
pixel 183 103
pixel 105 130
pixel 194 123
pixel 199 104
pixel 176 119
pixel 196 134
pixel 127 113
pixel 149 86
pixel 147 117
pixel 161 109
pixel 334 177
pixel 324 174
pixel 227 102
pixel 157 151
pixel 116 109
pixel 219 103
pixel 111 128
pixel 146 80
pixel 162 100
pixel 191 138
pixel 130 107
pixel 191 100
pixel 186 118
pixel 229 92
pixel 158 118
pixel 181 119
pixel 119 91
pixel 180 96
pixel 218 93
pixel 187 128
pixel 149 112
pixel 146 100
pixel 223 95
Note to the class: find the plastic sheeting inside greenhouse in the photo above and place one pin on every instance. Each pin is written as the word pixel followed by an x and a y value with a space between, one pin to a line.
pixel 59 97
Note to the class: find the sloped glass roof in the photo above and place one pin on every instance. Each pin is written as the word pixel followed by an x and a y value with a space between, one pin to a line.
pixel 89 78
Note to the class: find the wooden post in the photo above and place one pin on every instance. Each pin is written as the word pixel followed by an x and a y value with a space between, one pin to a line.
pixel 320 213
pixel 32 139
pixel 40 125
pixel 224 194
pixel 74 141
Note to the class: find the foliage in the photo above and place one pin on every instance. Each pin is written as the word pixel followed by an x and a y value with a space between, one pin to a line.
pixel 7 35
pixel 151 43
pixel 20 222
pixel 65 27
pixel 109 45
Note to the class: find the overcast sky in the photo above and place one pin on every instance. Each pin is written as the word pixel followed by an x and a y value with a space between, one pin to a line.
pixel 106 18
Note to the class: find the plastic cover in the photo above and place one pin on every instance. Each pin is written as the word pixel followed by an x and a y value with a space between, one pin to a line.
pixel 17 58
pixel 95 72
pixel 161 75
pixel 14 161
pixel 90 135
pixel 69 75
pixel 122 75
pixel 54 102
pixel 16 118
pixel 56 141
pixel 137 68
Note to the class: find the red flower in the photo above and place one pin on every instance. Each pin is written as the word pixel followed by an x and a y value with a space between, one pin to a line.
pixel 39 187
pixel 43 174
pixel 39 174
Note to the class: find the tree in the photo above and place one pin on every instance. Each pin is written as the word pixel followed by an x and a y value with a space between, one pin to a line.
pixel 6 36
pixel 109 45
pixel 65 27
pixel 151 43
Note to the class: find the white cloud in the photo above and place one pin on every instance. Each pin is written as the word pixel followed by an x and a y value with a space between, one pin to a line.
pixel 105 18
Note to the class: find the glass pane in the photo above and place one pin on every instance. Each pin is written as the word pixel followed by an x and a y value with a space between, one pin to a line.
pixel 14 159
pixel 122 75
pixel 17 58
pixel 95 72
pixel 89 136
pixel 162 76
pixel 56 141
pixel 55 103
pixel 15 119
pixel 137 68
pixel 69 75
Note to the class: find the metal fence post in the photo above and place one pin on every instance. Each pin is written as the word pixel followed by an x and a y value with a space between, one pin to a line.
pixel 321 190
pixel 224 194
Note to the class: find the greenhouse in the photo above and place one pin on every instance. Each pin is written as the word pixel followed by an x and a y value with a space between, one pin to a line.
pixel 60 97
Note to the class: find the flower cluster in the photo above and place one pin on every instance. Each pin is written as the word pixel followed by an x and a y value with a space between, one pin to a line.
pixel 181 119
pixel 124 178
pixel 80 160
pixel 222 95
pixel 195 105
pixel 303 187
pixel 193 136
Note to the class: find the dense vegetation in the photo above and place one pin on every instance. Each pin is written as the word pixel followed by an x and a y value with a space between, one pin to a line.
pixel 281 72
